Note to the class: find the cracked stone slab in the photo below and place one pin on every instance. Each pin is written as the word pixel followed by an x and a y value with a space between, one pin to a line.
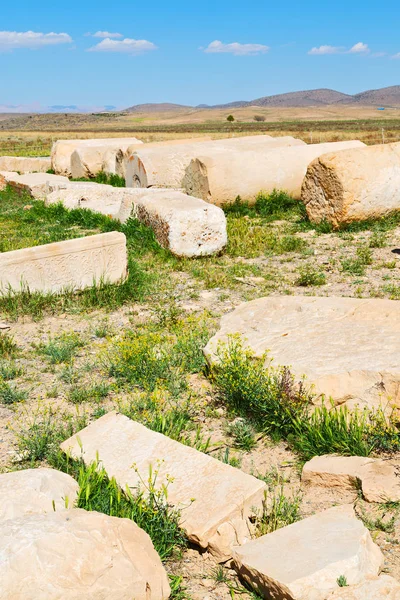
pixel 379 480
pixel 208 492
pixel 347 348
pixel 304 560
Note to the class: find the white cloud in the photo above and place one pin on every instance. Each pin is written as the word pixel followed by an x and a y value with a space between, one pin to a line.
pixel 396 56
pixel 359 48
pixel 107 34
pixel 126 46
pixel 326 50
pixel 235 48
pixel 10 40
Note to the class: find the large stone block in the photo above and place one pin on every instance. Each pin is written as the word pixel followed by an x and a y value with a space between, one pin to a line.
pixel 62 150
pixel 185 225
pixel 104 199
pixel 379 480
pixel 73 264
pixel 25 164
pixel 165 166
pixel 358 184
pixel 88 161
pixel 34 491
pixel 346 347
pixel 34 184
pixel 219 177
pixel 78 555
pixel 208 492
pixel 303 561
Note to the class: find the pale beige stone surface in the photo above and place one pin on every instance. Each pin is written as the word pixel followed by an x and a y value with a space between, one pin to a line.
pixel 185 225
pixel 303 561
pixel 78 555
pixel 218 177
pixel 165 166
pixel 88 161
pixel 346 347
pixel 383 587
pixel 207 491
pixel 358 184
pixel 25 164
pixel 34 184
pixel 379 480
pixel 62 150
pixel 100 198
pixel 73 264
pixel 34 491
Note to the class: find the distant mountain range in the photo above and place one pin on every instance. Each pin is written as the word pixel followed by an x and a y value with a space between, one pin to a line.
pixel 384 97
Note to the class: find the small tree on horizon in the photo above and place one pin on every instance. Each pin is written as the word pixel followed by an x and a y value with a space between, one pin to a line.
pixel 259 118
pixel 231 118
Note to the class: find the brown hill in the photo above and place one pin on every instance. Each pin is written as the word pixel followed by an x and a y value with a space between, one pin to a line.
pixel 304 98
pixel 389 96
pixel 161 107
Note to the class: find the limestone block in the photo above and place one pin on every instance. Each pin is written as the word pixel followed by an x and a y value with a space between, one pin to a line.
pixel 88 161
pixel 207 491
pixel 379 480
pixel 78 555
pixel 62 150
pixel 73 264
pixel 165 166
pixel 303 561
pixel 355 185
pixel 25 164
pixel 346 347
pixel 34 491
pixel 220 177
pixel 34 184
pixel 104 199
pixel 185 225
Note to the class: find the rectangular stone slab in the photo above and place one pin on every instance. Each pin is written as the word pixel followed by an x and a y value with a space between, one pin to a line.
pixel 25 164
pixel 207 491
pixel 34 184
pixel 304 560
pixel 73 264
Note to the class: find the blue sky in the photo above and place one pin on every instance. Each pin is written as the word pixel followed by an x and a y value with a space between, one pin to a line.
pixel 192 52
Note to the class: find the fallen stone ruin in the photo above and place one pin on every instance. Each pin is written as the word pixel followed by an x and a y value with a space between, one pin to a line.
pixel 216 499
pixel 25 164
pixel 354 185
pixel 346 348
pixel 71 265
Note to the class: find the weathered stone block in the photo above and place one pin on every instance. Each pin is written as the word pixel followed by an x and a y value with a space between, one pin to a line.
pixel 303 561
pixel 73 264
pixel 34 491
pixel 25 164
pixel 346 347
pixel 34 184
pixel 78 555
pixel 208 492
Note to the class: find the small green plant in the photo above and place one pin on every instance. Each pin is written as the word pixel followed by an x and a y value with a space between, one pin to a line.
pixel 62 348
pixel 356 266
pixel 243 434
pixel 310 276
pixel 342 581
pixel 81 393
pixel 9 394
pixel 219 575
pixel 9 370
pixel 279 511
pixel 147 505
pixel 8 348
pixel 378 239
